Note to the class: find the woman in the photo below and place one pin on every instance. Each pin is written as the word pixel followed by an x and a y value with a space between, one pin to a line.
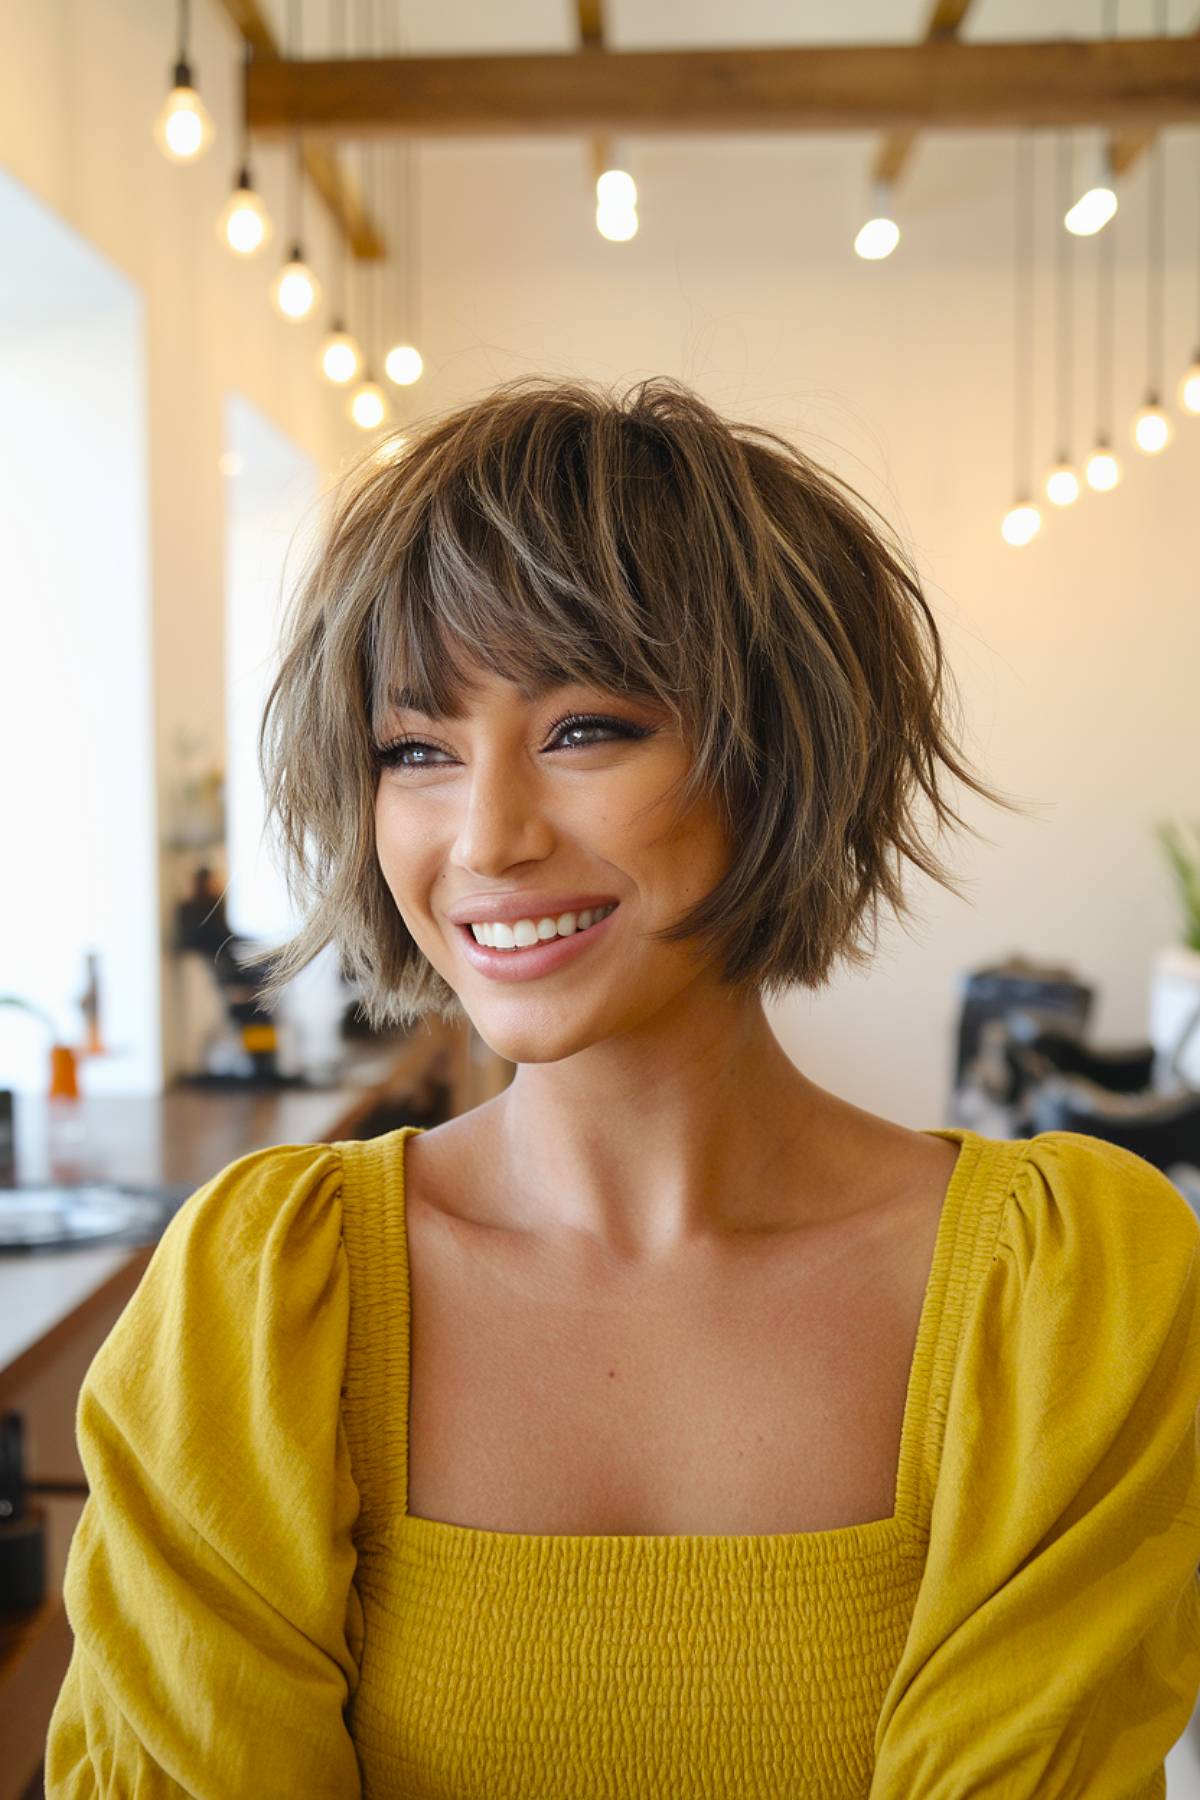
pixel 666 1426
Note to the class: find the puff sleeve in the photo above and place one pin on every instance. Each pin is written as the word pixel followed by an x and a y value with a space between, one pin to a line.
pixel 209 1581
pixel 1054 1649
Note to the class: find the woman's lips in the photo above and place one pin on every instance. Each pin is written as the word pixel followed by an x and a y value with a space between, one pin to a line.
pixel 538 959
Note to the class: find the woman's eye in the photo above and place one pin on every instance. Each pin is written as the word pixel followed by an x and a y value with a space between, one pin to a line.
pixel 572 733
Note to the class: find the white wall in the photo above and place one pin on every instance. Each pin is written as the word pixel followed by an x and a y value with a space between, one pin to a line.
pixel 76 755
pixel 272 488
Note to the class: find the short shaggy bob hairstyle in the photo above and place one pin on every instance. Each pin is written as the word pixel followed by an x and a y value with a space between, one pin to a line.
pixel 554 532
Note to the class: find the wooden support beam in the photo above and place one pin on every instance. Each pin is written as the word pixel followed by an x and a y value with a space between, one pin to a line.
pixel 1125 83
pixel 945 22
pixel 340 192
pixel 1125 147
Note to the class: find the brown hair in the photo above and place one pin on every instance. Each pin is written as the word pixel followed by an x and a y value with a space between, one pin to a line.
pixel 556 532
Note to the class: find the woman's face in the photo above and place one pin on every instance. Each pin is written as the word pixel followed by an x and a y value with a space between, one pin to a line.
pixel 508 806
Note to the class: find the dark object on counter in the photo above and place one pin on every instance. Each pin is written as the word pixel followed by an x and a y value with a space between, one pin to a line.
pixel 82 1215
pixel 241 1084
pixel 241 987
pixel 200 919
pixel 1163 1129
pixel 990 996
pixel 8 1139
pixel 22 1528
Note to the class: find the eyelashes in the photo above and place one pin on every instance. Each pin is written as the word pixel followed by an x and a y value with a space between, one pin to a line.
pixel 391 755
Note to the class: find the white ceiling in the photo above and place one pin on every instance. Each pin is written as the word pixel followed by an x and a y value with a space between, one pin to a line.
pixel 459 27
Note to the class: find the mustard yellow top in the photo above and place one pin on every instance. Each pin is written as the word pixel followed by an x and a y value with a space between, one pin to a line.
pixel 256 1614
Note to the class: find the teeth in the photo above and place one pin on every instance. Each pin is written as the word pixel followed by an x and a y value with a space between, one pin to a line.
pixel 498 936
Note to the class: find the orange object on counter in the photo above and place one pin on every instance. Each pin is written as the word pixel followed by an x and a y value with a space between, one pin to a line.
pixel 64 1073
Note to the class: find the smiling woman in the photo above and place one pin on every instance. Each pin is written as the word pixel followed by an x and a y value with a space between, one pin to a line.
pixel 700 579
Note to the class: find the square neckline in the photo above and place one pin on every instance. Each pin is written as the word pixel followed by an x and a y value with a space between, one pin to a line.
pixel 835 1543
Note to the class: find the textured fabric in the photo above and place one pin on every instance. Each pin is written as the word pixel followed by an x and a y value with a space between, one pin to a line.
pixel 256 1614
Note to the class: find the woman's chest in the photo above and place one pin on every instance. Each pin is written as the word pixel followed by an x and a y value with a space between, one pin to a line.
pixel 761 1394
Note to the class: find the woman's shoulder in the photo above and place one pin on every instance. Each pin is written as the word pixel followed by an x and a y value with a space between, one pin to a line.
pixel 252 1246
pixel 1083 1201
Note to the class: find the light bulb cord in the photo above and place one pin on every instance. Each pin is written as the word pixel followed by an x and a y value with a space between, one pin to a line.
pixel 247 59
pixel 1155 208
pixel 296 161
pixel 1066 303
pixel 1105 276
pixel 1023 190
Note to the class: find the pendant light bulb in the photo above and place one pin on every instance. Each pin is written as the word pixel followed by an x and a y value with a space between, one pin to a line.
pixel 295 291
pixel 368 405
pixel 1062 484
pixel 403 364
pixel 339 359
pixel 1152 429
pixel 244 225
pixel 1021 523
pixel 880 234
pixel 183 130
pixel 1097 202
pixel 1103 470
pixel 1091 212
pixel 1189 387
pixel 616 206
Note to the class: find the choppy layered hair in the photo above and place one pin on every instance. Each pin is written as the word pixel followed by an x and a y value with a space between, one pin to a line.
pixel 554 532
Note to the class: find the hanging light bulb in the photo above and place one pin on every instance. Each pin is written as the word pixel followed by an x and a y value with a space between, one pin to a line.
pixel 1062 482
pixel 1097 200
pixel 1188 392
pixel 616 205
pixel 183 130
pixel 339 359
pixel 295 291
pixel 1189 387
pixel 403 363
pixel 880 234
pixel 1022 522
pixel 1152 429
pixel 368 405
pixel 1103 470
pixel 244 225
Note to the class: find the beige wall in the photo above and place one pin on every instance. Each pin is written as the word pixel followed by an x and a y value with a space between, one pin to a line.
pixel 1075 657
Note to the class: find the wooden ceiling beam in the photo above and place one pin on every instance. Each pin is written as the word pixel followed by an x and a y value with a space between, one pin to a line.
pixel 340 192
pixel 945 22
pixel 1124 83
pixel 1125 147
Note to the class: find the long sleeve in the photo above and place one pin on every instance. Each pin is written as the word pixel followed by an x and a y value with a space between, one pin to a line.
pixel 1055 1646
pixel 209 1583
